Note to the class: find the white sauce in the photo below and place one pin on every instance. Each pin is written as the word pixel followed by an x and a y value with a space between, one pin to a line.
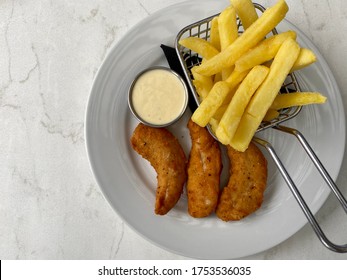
pixel 158 96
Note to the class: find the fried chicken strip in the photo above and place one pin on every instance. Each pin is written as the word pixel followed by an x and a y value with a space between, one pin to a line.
pixel 204 169
pixel 243 194
pixel 164 152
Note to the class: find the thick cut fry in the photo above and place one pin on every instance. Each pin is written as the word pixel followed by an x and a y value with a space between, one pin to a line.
pixel 282 64
pixel 270 115
pixel 214 33
pixel 217 78
pixel 211 103
pixel 246 11
pixel 232 116
pixel 265 95
pixel 220 112
pixel 297 99
pixel 244 132
pixel 203 84
pixel 234 81
pixel 200 46
pixel 228 33
pixel 264 51
pixel 236 77
pixel 213 124
pixel 250 38
pixel 305 58
pixel 227 26
pixel 226 72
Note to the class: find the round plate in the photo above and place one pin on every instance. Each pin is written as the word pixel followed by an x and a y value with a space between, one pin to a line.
pixel 128 182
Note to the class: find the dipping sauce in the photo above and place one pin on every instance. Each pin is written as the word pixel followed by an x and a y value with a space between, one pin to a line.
pixel 158 96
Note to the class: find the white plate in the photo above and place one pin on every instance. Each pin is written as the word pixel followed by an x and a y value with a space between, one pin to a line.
pixel 128 182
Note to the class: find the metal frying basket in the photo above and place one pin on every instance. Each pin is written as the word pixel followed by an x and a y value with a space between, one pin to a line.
pixel 189 59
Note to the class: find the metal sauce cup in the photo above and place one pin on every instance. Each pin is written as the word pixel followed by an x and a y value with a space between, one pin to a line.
pixel 184 92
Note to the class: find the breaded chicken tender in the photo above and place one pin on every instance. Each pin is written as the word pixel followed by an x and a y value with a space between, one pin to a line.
pixel 164 152
pixel 204 169
pixel 243 194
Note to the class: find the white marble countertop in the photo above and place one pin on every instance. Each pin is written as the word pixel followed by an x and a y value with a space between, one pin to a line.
pixel 50 204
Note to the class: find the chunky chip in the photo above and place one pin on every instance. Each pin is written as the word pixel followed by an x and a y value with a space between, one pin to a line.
pixel 232 116
pixel 246 11
pixel 297 99
pixel 211 103
pixel 214 33
pixel 250 38
pixel 200 46
pixel 265 51
pixel 265 95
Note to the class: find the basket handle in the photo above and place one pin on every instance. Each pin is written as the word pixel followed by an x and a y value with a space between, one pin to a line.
pixel 310 217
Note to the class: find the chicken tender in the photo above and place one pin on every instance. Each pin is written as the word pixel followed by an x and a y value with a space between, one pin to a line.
pixel 243 194
pixel 164 152
pixel 204 169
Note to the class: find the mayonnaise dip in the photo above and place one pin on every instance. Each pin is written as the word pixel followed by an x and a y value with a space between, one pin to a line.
pixel 158 96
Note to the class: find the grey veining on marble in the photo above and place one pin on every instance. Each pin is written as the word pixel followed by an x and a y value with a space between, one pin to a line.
pixel 50 204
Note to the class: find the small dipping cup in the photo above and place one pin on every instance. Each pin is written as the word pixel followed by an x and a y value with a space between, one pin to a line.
pixel 158 97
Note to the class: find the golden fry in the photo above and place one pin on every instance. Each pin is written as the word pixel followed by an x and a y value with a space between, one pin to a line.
pixel 227 26
pixel 203 84
pixel 211 103
pixel 214 33
pixel 305 58
pixel 270 115
pixel 265 95
pixel 250 38
pixel 200 46
pixel 246 12
pixel 232 116
pixel 297 99
pixel 264 51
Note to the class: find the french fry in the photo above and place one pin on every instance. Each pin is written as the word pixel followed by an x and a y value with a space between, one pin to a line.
pixel 217 78
pixel 220 112
pixel 203 84
pixel 236 77
pixel 297 99
pixel 244 132
pixel 228 33
pixel 264 51
pixel 267 92
pixel 213 124
pixel 265 95
pixel 227 26
pixel 305 58
pixel 226 72
pixel 214 33
pixel 200 46
pixel 270 115
pixel 211 103
pixel 250 38
pixel 232 116
pixel 246 11
pixel 234 80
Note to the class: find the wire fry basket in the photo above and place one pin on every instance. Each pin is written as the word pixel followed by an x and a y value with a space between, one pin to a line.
pixel 189 59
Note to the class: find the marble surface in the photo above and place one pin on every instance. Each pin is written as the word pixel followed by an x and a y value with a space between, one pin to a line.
pixel 50 204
